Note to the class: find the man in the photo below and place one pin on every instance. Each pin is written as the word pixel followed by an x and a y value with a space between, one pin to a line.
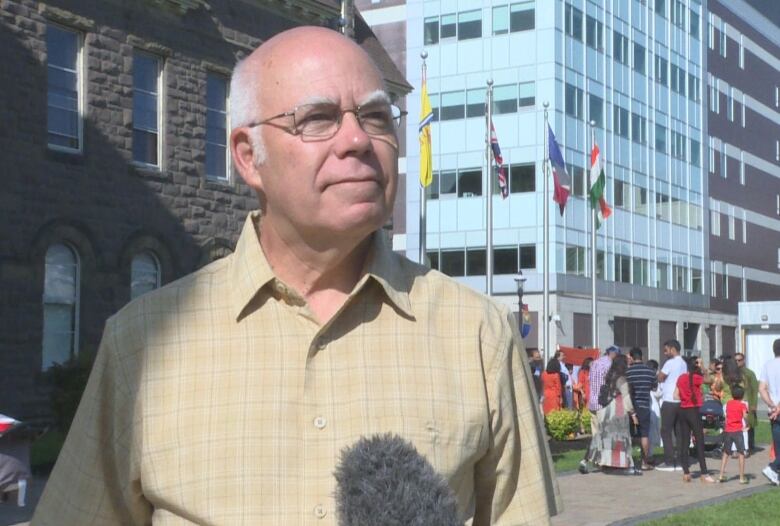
pixel 567 385
pixel 641 381
pixel 751 397
pixel 226 397
pixel 596 376
pixel 667 376
pixel 769 389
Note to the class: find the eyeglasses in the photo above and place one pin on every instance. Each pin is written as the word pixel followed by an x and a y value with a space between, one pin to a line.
pixel 322 121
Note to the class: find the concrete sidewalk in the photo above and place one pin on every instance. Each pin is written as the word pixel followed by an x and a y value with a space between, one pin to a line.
pixel 600 499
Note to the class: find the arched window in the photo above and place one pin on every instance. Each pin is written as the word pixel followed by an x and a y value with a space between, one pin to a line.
pixel 144 274
pixel 60 305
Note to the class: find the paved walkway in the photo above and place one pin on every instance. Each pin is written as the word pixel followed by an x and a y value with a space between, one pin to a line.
pixel 601 499
pixel 589 500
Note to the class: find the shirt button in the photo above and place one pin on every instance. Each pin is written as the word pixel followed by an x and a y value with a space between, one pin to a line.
pixel 320 422
pixel 320 511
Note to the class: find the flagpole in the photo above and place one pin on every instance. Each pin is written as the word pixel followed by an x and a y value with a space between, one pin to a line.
pixel 546 246
pixel 593 260
pixel 423 189
pixel 489 207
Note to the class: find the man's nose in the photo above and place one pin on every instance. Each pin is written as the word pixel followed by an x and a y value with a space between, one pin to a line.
pixel 351 137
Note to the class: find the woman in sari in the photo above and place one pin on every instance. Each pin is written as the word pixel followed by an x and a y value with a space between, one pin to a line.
pixel 552 387
pixel 611 446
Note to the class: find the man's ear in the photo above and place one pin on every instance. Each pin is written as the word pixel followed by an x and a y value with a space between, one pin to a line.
pixel 243 158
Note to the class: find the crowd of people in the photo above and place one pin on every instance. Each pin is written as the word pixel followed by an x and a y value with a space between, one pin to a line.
pixel 628 398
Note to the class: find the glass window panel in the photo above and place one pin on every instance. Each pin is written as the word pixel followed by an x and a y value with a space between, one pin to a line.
pixel 500 20
pixel 63 119
pixel 62 47
pixel 505 99
pixel 145 147
pixel 449 182
pixel 660 138
pixel 574 97
pixel 144 274
pixel 596 109
pixel 431 30
pixel 594 33
pixel 452 105
pixel 505 260
pixel 60 304
pixel 433 188
pixel 573 23
pixel 522 178
pixel 527 94
pixel 433 258
pixel 521 16
pixel 448 26
pixel 527 256
pixel 476 262
pixel 469 25
pixel 453 262
pixel 469 183
pixel 145 72
pixel 216 127
pixel 475 102
pixel 639 58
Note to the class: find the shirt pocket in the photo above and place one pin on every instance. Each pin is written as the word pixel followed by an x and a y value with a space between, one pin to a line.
pixel 452 447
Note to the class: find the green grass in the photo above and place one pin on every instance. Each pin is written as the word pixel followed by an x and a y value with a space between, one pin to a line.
pixel 568 460
pixel 45 450
pixel 756 509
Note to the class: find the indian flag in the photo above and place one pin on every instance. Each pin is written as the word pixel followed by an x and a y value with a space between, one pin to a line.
pixel 598 183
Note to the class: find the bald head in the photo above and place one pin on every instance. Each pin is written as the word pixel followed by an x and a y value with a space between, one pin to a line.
pixel 263 71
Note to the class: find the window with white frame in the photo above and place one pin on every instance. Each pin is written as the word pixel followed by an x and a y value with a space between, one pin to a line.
pixel 620 122
pixel 694 88
pixel 730 107
pixel 711 149
pixel 574 101
pixel 620 47
pixel 594 33
pixel 144 274
pixel 722 40
pixel 732 225
pixel 60 305
pixel 638 129
pixel 744 110
pixel 573 22
pixel 744 227
pixel 715 222
pixel 742 168
pixel 217 158
pixel 639 58
pixel 741 52
pixel 596 109
pixel 661 70
pixel 64 101
pixel 147 73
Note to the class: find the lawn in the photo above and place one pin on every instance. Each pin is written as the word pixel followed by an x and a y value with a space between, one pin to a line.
pixel 756 509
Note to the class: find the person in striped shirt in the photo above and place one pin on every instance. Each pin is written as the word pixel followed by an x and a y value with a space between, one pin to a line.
pixel 641 381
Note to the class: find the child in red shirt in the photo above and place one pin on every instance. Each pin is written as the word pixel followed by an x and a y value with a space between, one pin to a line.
pixel 736 410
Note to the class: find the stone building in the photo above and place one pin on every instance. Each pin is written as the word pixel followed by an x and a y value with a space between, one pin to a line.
pixel 116 174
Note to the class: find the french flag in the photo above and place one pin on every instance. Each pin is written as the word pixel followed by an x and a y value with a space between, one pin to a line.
pixel 561 177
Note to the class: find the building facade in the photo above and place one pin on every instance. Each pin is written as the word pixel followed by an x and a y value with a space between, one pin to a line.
pixel 743 92
pixel 638 69
pixel 116 169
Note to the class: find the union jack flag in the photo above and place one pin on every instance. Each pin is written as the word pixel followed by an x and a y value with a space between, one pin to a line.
pixel 502 181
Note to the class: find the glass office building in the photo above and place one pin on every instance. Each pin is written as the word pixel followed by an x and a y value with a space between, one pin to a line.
pixel 633 68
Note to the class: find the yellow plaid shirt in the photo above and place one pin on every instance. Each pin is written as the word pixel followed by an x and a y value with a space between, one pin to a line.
pixel 219 400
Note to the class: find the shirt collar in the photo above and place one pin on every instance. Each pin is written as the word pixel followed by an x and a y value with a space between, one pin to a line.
pixel 250 270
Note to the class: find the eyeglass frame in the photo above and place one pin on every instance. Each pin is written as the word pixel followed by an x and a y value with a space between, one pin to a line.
pixel 355 111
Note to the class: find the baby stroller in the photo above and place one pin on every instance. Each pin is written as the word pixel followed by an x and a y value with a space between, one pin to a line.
pixel 713 421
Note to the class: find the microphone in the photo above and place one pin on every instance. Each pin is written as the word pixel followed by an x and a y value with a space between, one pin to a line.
pixel 383 481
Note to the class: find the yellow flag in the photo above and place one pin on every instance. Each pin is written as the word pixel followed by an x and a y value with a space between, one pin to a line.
pixel 426 116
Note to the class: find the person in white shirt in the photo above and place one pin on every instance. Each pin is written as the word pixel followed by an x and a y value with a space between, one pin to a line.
pixel 670 372
pixel 769 389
